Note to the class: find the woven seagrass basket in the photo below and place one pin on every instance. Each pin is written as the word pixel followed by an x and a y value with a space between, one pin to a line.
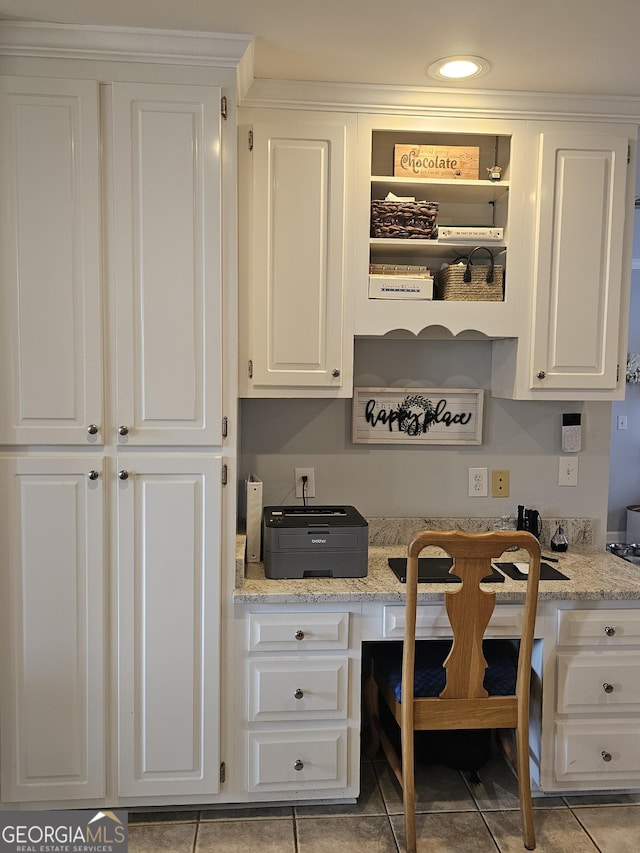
pixel 407 220
pixel 465 282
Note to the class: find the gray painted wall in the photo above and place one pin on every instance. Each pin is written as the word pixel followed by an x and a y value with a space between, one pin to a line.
pixel 524 437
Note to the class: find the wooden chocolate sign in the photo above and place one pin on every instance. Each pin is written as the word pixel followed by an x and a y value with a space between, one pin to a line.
pixel 436 161
pixel 417 416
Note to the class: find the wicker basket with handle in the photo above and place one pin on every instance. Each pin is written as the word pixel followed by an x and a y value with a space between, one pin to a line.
pixel 468 283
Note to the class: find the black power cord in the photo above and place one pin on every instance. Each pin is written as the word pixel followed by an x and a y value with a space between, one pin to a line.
pixel 304 489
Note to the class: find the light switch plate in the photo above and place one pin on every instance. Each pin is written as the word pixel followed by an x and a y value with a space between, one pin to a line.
pixel 568 471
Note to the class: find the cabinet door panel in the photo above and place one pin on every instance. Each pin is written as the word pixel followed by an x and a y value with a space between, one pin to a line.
pixel 168 613
pixel 581 192
pixel 167 187
pixel 51 373
pixel 52 701
pixel 298 242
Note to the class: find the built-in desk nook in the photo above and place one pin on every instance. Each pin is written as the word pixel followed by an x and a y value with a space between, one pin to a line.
pixel 303 642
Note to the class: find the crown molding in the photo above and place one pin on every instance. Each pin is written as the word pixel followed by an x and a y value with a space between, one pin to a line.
pixel 425 101
pixel 125 44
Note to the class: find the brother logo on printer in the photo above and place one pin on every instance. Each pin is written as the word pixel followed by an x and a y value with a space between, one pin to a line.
pixel 318 541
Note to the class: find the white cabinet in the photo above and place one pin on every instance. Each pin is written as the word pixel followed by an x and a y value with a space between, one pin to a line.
pixel 580 250
pixel 161 257
pixel 295 255
pixel 476 202
pixel 596 701
pixel 168 584
pixel 301 703
pixel 111 315
pixel 51 364
pixel 52 595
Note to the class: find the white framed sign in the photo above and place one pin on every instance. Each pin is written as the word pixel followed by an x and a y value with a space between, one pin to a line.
pixel 417 416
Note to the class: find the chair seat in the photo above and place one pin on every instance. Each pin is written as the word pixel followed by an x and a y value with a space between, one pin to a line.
pixel 430 676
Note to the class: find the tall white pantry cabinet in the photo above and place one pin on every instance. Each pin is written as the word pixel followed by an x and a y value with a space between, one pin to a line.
pixel 113 450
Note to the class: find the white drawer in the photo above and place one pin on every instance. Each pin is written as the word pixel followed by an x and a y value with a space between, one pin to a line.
pixel 432 621
pixel 272 632
pixel 598 627
pixel 303 760
pixel 298 688
pixel 598 682
pixel 602 751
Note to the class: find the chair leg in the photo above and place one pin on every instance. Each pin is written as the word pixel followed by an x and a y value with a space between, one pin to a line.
pixel 524 788
pixel 409 791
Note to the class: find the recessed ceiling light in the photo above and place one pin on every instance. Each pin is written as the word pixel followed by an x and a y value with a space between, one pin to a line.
pixel 458 67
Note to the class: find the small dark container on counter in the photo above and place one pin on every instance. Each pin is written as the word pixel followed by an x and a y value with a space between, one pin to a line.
pixel 559 541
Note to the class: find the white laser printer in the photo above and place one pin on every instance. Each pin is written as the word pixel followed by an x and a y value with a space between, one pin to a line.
pixel 314 542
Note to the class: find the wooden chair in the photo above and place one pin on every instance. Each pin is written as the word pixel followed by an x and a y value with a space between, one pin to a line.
pixel 464 703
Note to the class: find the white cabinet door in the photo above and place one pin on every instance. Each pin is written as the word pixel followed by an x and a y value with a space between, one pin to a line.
pixel 295 293
pixel 167 263
pixel 168 624
pixel 52 647
pixel 578 266
pixel 50 262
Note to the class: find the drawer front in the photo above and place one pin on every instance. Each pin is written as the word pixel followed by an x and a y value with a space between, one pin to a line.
pixel 304 760
pixel 298 689
pixel 602 752
pixel 598 682
pixel 272 632
pixel 598 627
pixel 432 621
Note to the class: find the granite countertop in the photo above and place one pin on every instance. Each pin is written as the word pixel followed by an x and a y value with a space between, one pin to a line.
pixel 593 575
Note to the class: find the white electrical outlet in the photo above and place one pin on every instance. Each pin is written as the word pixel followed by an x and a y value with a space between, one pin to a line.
pixel 478 484
pixel 309 490
pixel 568 471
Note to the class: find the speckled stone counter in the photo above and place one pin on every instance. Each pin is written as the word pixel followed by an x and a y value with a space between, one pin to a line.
pixel 592 575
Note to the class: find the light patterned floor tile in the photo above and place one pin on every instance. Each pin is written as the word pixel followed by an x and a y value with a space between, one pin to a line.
pixel 367 834
pixel 246 836
pixel 498 789
pixel 438 789
pixel 162 838
pixel 450 832
pixel 557 831
pixel 615 829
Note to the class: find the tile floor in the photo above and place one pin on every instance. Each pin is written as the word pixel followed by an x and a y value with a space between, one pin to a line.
pixel 453 817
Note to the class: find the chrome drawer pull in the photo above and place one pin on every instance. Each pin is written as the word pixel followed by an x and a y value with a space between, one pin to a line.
pixel 297 764
pixel 92 429
pixel 298 694
pixel 609 631
pixel 606 756
pixel 93 475
pixel 299 635
pixel 608 688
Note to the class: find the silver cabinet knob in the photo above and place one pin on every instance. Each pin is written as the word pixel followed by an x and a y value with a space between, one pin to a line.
pixel 298 694
pixel 608 688
pixel 93 475
pixel 609 631
pixel 297 764
pixel 299 635
pixel 92 429
pixel 123 430
pixel 541 374
pixel 335 373
pixel 606 756
pixel 124 475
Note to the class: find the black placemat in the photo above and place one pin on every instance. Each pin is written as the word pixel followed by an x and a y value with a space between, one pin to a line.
pixel 547 572
pixel 435 570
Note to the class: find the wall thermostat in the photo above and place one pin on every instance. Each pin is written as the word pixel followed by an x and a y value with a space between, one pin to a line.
pixel 571 433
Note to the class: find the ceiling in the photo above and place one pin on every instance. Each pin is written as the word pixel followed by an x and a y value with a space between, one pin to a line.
pixel 565 46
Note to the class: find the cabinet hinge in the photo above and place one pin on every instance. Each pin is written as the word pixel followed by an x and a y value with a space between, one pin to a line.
pixel 628 154
pixel 250 369
pixel 617 373
pixel 225 474
pixel 225 426
pixel 250 140
pixel 223 772
pixel 223 106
